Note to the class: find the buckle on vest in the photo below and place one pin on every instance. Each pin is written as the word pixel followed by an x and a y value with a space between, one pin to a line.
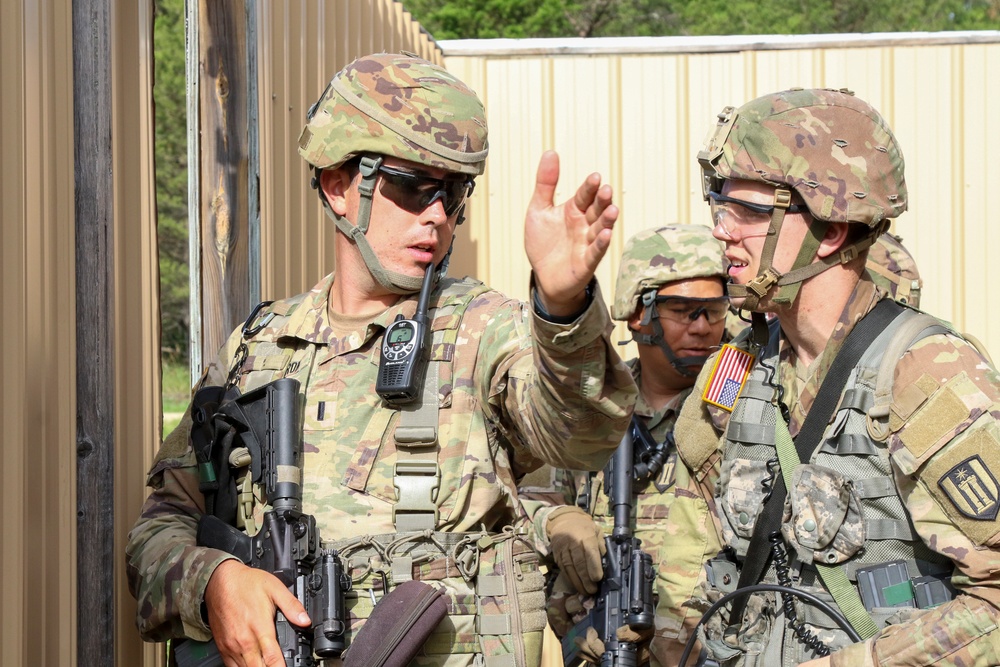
pixel 416 483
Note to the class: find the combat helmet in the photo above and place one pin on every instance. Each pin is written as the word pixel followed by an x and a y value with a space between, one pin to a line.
pixel 832 150
pixel 657 257
pixel 398 105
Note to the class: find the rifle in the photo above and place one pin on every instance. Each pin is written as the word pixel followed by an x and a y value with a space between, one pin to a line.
pixel 626 593
pixel 288 545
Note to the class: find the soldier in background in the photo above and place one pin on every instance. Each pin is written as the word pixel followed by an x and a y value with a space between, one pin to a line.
pixel 670 290
pixel 891 266
pixel 860 449
pixel 396 143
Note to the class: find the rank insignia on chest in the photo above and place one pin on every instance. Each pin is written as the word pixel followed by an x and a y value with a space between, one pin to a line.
pixel 730 372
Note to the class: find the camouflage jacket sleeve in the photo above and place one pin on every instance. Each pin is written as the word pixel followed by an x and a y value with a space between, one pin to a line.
pixel 167 572
pixel 945 449
pixel 559 393
pixel 540 492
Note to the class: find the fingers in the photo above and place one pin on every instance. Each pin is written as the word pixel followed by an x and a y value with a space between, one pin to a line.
pixel 584 569
pixel 546 179
pixel 591 647
pixel 573 571
pixel 592 562
pixel 602 216
pixel 588 194
pixel 241 603
pixel 291 607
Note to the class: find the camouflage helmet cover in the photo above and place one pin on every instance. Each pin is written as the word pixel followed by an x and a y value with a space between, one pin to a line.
pixel 833 149
pixel 397 105
pixel 655 257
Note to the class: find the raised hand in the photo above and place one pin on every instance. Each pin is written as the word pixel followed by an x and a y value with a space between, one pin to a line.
pixel 565 243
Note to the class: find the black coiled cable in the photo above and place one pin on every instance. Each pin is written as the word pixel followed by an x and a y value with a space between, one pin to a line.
pixel 835 615
pixel 804 634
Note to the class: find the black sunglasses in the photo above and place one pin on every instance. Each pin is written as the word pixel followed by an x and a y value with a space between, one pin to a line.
pixel 767 209
pixel 414 192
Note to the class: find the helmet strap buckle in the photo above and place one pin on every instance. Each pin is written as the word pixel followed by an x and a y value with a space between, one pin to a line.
pixel 369 166
pixel 764 281
pixel 649 312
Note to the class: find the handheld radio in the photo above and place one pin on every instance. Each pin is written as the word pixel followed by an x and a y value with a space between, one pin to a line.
pixel 404 351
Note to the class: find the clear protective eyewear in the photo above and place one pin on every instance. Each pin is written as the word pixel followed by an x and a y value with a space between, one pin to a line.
pixel 414 192
pixel 731 213
pixel 685 309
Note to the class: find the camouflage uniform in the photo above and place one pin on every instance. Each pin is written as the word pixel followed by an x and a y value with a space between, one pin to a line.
pixel 511 390
pixel 945 405
pixel 665 504
pixel 907 466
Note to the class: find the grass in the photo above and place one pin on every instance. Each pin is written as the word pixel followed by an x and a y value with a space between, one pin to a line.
pixel 176 393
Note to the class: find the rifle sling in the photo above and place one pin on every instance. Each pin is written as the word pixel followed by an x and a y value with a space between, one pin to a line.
pixel 857 342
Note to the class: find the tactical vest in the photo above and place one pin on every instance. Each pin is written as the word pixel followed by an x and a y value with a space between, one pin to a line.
pixel 492 583
pixel 845 507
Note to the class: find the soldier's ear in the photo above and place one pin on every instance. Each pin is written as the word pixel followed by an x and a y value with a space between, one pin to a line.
pixel 836 237
pixel 335 184
pixel 635 319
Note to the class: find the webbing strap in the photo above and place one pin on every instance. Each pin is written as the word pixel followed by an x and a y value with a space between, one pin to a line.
pixel 833 576
pixel 769 520
pixel 417 473
pixel 917 326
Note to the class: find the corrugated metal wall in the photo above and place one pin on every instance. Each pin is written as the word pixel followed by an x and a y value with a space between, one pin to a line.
pixel 37 361
pixel 38 568
pixel 637 110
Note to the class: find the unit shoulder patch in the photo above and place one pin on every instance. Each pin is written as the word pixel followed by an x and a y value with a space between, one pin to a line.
pixel 972 488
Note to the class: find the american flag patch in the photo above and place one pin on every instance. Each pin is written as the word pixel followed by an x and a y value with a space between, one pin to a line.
pixel 730 372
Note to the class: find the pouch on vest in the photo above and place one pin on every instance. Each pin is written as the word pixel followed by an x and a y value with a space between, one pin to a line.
pixel 826 524
pixel 398 626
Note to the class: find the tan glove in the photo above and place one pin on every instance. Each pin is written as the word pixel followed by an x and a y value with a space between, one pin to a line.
pixel 592 648
pixel 577 544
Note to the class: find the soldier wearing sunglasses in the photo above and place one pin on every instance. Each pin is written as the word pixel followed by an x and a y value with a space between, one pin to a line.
pixel 424 490
pixel 670 291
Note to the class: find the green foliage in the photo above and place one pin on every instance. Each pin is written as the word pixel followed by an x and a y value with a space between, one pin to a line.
pixel 176 392
pixel 475 19
pixel 170 128
pixel 176 386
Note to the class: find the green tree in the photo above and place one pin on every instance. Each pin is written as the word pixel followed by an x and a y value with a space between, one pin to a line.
pixel 476 19
pixel 170 131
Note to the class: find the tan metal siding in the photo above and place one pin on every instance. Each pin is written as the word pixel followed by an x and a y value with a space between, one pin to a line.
pixel 138 422
pixel 37 362
pixel 639 118
pixel 38 574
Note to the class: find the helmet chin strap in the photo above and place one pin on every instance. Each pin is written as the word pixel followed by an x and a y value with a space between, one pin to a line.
pixel 686 366
pixel 803 267
pixel 397 283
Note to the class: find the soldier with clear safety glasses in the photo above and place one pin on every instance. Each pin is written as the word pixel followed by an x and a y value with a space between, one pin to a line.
pixel 850 441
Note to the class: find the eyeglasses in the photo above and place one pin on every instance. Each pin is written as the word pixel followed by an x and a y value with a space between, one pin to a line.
pixel 414 192
pixel 742 213
pixel 685 310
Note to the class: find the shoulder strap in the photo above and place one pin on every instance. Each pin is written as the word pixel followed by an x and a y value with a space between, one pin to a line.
pixel 769 521
pixel 918 325
pixel 417 473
